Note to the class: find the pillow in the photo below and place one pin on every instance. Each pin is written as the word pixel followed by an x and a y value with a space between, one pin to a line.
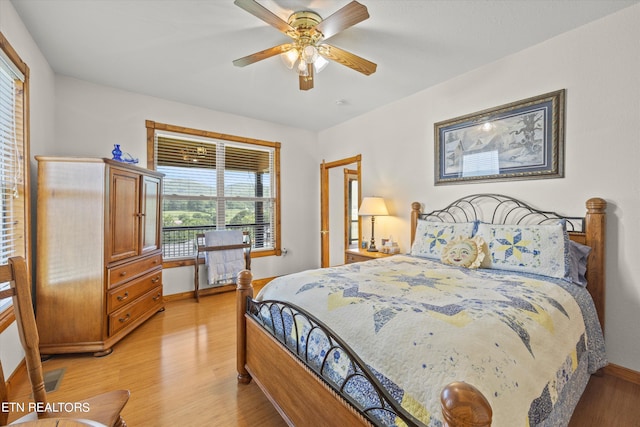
pixel 432 236
pixel 578 255
pixel 464 252
pixel 538 249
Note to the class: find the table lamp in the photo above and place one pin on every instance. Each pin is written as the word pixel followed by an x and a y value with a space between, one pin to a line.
pixel 373 206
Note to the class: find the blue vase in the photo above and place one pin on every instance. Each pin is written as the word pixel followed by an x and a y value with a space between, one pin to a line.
pixel 116 152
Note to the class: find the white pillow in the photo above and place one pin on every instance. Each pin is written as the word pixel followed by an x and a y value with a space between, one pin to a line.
pixel 432 237
pixel 537 249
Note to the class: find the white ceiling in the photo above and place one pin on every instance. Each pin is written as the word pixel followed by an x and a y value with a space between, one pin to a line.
pixel 182 50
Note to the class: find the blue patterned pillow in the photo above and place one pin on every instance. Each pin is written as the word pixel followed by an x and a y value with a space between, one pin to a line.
pixel 579 254
pixel 537 249
pixel 432 237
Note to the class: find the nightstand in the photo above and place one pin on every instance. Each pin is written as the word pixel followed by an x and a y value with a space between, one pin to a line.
pixel 359 255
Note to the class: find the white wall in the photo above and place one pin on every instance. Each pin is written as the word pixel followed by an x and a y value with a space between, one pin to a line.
pixel 599 66
pixel 91 118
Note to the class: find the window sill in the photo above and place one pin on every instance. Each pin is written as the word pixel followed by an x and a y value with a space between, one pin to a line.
pixel 185 262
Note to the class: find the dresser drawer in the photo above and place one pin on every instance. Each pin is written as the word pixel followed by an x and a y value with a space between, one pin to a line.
pixel 125 272
pixel 124 294
pixel 130 312
pixel 357 255
pixel 351 258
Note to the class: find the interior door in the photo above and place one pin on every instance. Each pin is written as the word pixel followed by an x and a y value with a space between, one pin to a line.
pixel 327 207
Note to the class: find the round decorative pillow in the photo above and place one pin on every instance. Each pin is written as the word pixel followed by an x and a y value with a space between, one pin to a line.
pixel 464 252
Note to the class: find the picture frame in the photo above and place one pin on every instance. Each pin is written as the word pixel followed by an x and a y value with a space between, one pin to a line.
pixel 515 141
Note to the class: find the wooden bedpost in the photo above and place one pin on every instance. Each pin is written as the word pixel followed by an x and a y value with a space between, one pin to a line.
pixel 416 210
pixel 243 290
pixel 464 406
pixel 595 226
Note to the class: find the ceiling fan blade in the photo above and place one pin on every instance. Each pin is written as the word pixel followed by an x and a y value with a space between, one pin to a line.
pixel 265 14
pixel 263 54
pixel 306 82
pixel 344 18
pixel 348 59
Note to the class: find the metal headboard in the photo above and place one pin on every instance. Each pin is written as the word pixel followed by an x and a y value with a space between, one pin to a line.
pixel 499 209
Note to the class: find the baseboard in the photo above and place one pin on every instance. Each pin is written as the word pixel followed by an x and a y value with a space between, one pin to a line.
pixel 622 373
pixel 17 376
pixel 203 292
pixel 257 285
pixel 178 297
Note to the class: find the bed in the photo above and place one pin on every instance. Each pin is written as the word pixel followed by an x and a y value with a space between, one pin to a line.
pixel 415 340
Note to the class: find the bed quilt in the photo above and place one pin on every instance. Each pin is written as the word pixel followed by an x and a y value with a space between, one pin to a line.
pixel 420 324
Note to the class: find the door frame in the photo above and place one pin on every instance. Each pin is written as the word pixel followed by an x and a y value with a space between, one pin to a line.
pixel 324 202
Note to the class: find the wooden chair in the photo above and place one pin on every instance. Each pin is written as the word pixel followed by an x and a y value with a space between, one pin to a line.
pixel 104 408
pixel 202 248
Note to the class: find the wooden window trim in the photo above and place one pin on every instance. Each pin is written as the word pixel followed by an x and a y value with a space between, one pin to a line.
pixel 7 316
pixel 153 126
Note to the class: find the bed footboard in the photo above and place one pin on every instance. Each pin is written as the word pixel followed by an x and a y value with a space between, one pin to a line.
pixel 462 404
pixel 244 292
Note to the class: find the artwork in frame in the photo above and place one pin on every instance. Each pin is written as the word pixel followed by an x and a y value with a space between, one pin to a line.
pixel 520 140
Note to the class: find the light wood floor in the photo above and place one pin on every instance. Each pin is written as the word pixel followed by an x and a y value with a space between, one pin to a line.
pixel 180 369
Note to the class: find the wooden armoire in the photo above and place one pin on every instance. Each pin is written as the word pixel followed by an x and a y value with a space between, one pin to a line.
pixel 98 252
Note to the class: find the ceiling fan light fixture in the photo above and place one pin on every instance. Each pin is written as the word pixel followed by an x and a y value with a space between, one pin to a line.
pixel 309 54
pixel 289 58
pixel 302 68
pixel 320 64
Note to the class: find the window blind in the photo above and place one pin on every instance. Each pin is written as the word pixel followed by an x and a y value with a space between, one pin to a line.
pixel 12 197
pixel 215 184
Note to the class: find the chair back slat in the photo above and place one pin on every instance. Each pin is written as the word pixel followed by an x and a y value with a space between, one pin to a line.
pixel 28 331
pixel 6 274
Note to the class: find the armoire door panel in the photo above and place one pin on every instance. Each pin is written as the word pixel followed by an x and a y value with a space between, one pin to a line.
pixel 124 202
pixel 150 199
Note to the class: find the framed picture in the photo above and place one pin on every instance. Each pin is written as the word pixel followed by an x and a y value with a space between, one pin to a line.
pixel 520 140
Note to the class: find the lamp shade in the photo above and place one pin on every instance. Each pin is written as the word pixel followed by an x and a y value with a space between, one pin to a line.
pixel 374 206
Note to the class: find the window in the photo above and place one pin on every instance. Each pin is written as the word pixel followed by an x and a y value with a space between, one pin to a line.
pixel 351 203
pixel 14 163
pixel 215 181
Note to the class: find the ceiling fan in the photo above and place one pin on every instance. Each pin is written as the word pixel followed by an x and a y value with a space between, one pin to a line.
pixel 307 52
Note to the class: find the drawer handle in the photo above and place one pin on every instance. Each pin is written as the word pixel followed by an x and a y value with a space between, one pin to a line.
pixel 125 318
pixel 123 273
pixel 155 279
pixel 123 297
pixel 157 297
pixel 155 261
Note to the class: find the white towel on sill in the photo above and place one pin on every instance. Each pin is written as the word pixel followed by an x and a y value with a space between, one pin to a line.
pixel 223 266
